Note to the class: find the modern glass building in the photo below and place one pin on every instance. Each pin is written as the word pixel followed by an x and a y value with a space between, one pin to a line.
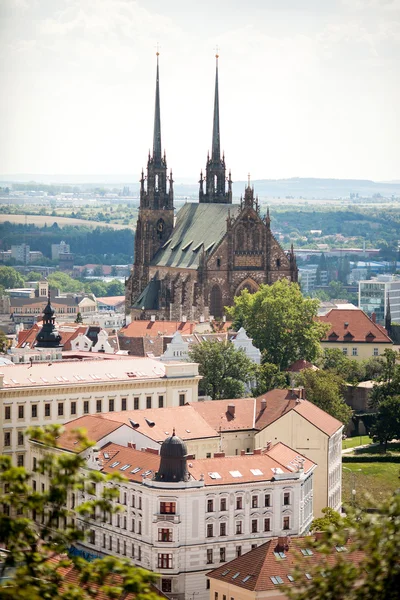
pixel 374 293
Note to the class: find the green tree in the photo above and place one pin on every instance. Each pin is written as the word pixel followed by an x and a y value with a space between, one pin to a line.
pixel 64 282
pixel 331 520
pixel 33 276
pixel 115 288
pixel 389 383
pixel 375 575
pixel 387 422
pixel 79 318
pixel 268 377
pixel 30 530
pixel 325 390
pixel 4 343
pixel 225 370
pixel 352 371
pixel 281 322
pixel 10 278
pixel 98 288
pixel 98 271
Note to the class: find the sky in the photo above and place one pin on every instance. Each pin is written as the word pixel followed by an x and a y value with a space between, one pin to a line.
pixel 308 88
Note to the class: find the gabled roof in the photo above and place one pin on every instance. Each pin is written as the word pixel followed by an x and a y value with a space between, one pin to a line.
pixel 280 402
pixel 148 299
pixel 96 429
pixel 255 569
pixel 355 322
pixel 198 227
pixel 158 423
pixel 156 328
pixel 112 300
pixel 68 332
pixel 216 413
pixel 221 470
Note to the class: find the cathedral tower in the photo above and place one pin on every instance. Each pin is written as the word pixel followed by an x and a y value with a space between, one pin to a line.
pixel 215 179
pixel 156 210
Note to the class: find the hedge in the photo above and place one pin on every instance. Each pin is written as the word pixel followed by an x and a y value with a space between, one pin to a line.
pixel 371 459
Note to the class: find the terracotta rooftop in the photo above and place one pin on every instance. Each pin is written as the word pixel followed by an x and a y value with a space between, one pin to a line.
pixel 300 365
pixel 68 332
pixel 264 569
pixel 158 423
pixel 221 470
pixel 112 300
pixel 279 402
pixel 95 428
pixel 85 372
pixel 156 328
pixel 353 326
pixel 216 413
pixel 70 575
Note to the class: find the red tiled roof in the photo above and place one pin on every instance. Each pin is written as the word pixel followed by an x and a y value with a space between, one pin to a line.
pixel 95 428
pixel 112 300
pixel 300 365
pixel 352 326
pixel 318 417
pixel 216 413
pixel 158 423
pixel 254 570
pixel 68 333
pixel 70 575
pixel 214 471
pixel 155 328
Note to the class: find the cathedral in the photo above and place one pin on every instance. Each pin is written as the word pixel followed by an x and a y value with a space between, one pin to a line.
pixel 193 264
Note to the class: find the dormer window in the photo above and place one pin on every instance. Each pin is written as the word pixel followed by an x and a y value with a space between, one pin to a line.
pixel 349 336
pixel 333 336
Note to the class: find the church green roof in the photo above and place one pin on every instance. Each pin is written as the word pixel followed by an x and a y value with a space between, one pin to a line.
pixel 198 227
pixel 148 299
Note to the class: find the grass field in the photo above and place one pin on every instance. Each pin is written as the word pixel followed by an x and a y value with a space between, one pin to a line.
pixel 373 482
pixel 359 440
pixel 41 220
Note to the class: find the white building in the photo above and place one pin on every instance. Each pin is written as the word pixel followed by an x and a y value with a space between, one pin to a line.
pixel 21 253
pixel 182 517
pixel 242 342
pixel 374 293
pixel 57 249
pixel 177 349
pixel 44 393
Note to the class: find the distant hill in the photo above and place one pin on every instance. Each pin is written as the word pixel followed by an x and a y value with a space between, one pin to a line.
pixel 310 188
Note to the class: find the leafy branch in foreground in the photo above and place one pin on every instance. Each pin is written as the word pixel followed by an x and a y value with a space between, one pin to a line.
pixel 374 572
pixel 37 528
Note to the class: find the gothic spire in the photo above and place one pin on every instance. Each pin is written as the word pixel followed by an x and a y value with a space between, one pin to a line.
pixel 216 150
pixel 157 121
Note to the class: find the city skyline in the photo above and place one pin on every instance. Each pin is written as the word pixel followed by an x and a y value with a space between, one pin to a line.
pixel 303 93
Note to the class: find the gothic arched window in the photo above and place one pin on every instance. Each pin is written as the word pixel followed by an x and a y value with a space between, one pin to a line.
pixel 240 238
pixel 256 239
pixel 216 308
pixel 156 183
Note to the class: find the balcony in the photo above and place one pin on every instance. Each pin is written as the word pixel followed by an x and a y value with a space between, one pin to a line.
pixel 170 518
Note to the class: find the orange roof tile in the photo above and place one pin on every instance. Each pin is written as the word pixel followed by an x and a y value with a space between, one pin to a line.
pixel 112 300
pixel 255 569
pixel 70 575
pixel 68 332
pixel 352 326
pixel 279 402
pixel 95 427
pixel 154 328
pixel 158 423
pixel 223 470
pixel 216 413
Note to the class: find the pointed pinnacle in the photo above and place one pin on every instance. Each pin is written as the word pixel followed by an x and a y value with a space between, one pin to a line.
pixel 216 151
pixel 157 121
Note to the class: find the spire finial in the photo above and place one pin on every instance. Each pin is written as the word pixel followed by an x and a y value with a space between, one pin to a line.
pixel 173 432
pixel 216 151
pixel 157 118
pixel 248 179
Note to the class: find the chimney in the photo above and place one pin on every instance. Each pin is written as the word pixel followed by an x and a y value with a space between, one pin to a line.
pixel 282 544
pixel 319 535
pixel 346 324
pixel 184 319
pixel 268 445
pixel 219 454
pixel 373 317
pixel 153 318
pixel 132 445
pixel 152 450
pixel 263 404
pixel 231 410
pixel 257 451
pixel 190 457
pixel 242 452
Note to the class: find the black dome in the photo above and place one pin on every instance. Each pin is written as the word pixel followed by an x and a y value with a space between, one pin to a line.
pixel 173 447
pixel 173 455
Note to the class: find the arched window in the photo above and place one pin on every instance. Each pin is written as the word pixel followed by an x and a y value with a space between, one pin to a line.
pixel 240 239
pixel 256 239
pixel 215 183
pixel 216 308
pixel 156 184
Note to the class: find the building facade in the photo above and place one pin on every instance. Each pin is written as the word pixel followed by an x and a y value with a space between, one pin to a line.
pixel 215 249
pixel 379 295
pixel 42 393
pixel 181 517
